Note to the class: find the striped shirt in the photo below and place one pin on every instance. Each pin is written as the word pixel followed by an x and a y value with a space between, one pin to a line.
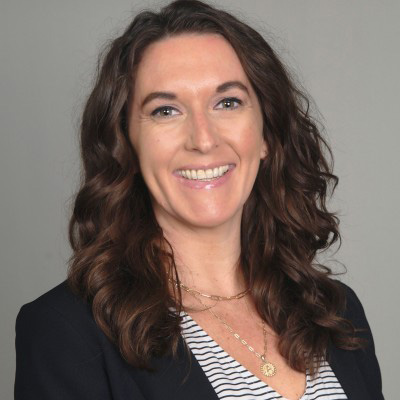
pixel 231 380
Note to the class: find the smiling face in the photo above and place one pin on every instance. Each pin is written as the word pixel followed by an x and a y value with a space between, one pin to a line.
pixel 196 125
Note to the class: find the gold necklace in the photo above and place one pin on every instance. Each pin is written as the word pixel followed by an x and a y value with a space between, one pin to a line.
pixel 266 368
pixel 209 296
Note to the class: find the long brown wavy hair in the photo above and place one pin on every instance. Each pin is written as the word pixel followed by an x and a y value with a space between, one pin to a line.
pixel 121 260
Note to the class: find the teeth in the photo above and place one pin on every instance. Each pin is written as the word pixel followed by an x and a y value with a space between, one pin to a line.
pixel 201 174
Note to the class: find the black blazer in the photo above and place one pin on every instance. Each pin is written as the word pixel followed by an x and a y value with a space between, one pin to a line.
pixel 62 354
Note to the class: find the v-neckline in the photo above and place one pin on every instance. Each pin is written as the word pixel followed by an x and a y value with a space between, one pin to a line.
pixel 237 364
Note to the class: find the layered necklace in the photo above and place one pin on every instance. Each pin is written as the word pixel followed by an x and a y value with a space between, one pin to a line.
pixel 267 369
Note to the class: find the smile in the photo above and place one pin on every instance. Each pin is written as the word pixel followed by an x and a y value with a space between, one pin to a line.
pixel 204 174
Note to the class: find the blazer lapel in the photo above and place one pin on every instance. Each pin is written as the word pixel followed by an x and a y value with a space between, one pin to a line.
pixel 346 370
pixel 175 379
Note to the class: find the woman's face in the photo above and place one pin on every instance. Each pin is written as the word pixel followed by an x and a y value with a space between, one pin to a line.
pixel 196 125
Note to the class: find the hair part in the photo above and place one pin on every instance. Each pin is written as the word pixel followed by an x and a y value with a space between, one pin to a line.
pixel 121 260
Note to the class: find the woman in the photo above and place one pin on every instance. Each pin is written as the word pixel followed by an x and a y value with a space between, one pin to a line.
pixel 195 232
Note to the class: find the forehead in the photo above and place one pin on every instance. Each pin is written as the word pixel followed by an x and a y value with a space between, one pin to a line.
pixel 188 61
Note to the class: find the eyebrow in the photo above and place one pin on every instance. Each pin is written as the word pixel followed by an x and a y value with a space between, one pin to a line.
pixel 172 96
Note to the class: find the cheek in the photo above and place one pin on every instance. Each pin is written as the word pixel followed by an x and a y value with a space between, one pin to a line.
pixel 147 153
pixel 155 155
pixel 249 140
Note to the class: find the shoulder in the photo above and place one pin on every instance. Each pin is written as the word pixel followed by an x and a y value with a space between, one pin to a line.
pixel 57 316
pixel 354 310
pixel 62 354
pixel 362 361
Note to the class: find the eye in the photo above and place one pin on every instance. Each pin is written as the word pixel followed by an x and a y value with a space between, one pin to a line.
pixel 230 103
pixel 165 112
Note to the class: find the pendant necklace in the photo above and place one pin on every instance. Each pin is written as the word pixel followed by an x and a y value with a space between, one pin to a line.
pixel 267 368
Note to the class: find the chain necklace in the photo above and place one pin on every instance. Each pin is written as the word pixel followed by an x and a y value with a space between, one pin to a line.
pixel 266 368
pixel 209 296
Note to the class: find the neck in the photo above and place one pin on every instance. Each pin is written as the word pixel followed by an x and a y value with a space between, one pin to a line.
pixel 207 259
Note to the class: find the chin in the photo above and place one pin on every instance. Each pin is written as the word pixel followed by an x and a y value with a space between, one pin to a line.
pixel 213 220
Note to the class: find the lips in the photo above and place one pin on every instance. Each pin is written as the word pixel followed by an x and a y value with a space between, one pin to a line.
pixel 204 178
pixel 204 174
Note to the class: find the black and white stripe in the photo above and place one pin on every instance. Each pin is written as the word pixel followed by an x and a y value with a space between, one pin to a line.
pixel 231 380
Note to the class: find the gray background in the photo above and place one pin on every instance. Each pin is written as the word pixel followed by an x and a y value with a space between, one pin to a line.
pixel 346 53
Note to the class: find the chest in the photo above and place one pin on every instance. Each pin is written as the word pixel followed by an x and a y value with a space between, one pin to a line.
pixel 230 351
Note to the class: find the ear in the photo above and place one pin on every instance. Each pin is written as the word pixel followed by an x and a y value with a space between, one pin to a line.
pixel 263 150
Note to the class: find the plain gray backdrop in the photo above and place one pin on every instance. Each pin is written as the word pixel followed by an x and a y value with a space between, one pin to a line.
pixel 345 53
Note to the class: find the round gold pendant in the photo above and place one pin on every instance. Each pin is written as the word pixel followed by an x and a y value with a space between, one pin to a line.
pixel 268 369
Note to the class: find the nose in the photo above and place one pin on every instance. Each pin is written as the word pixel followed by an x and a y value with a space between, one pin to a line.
pixel 202 134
